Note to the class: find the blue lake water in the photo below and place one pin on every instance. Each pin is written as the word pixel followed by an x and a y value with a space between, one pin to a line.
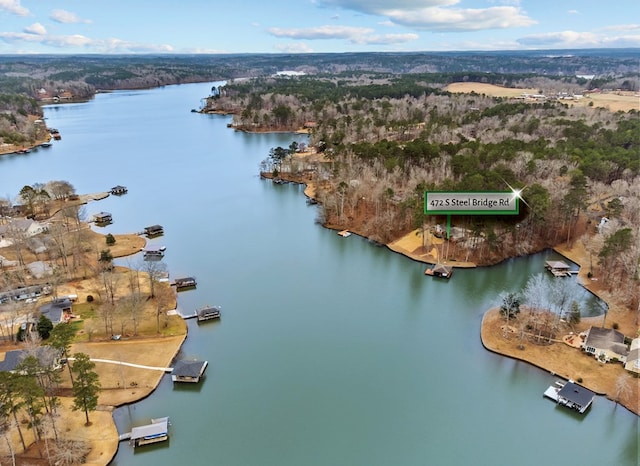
pixel 330 350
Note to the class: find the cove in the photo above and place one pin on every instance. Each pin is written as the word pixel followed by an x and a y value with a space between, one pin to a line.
pixel 330 350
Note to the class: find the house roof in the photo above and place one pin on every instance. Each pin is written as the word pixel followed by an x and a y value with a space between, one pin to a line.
pixel 576 394
pixel 557 265
pixel 189 368
pixel 55 309
pixel 606 339
pixel 633 358
pixel 45 354
pixel 441 268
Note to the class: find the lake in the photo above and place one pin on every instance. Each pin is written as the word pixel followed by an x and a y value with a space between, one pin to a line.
pixel 330 350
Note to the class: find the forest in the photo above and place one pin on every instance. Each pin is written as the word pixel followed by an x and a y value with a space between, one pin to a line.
pixel 385 129
pixel 379 141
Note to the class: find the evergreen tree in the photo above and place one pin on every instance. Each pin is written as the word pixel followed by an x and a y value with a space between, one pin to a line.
pixel 86 385
pixel 44 327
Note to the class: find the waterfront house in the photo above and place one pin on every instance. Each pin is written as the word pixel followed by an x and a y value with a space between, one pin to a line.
pixel 605 344
pixel 188 371
pixel 633 358
pixel 558 268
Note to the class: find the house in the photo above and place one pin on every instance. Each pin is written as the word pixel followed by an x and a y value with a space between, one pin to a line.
pixel 47 355
pixel 157 431
pixel 58 310
pixel 21 227
pixel 633 358
pixel 606 344
pixel 558 268
pixel 25 292
pixel 188 371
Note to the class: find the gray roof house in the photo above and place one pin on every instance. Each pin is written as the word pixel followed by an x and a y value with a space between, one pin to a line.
pixel 58 310
pixel 605 344
pixel 48 357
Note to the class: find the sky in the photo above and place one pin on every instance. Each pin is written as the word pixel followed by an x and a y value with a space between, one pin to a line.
pixel 307 26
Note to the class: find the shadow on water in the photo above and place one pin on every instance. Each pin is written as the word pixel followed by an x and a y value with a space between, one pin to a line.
pixel 154 447
pixel 189 387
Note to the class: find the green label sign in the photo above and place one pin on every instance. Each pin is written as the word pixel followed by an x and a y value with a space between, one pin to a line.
pixel 471 203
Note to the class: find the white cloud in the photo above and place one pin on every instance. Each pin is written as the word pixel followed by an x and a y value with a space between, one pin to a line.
pixel 294 47
pixel 321 32
pixel 375 7
pixel 386 39
pixel 573 39
pixel 451 19
pixel 13 6
pixel 622 27
pixel 64 16
pixel 356 35
pixel 573 12
pixel 36 28
pixel 440 15
pixel 76 40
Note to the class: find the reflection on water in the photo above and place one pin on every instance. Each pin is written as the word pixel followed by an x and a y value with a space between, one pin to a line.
pixel 330 350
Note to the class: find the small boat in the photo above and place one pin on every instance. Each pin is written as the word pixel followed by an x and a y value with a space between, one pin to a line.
pixel 344 233
pixel 46 144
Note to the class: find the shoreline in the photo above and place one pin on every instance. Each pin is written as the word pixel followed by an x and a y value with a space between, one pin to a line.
pixel 630 403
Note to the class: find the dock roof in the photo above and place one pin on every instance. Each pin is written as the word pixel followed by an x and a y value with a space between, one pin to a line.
pixel 157 427
pixel 189 368
pixel 576 394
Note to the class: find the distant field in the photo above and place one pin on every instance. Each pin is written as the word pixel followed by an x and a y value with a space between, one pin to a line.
pixel 614 101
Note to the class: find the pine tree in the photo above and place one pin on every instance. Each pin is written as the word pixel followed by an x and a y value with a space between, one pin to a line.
pixel 86 385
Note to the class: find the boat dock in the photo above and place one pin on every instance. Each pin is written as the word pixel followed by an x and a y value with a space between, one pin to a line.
pixel 157 431
pixel 208 313
pixel 571 395
pixel 344 233
pixel 185 283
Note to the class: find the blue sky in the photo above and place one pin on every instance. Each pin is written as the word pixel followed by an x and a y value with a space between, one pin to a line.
pixel 272 26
